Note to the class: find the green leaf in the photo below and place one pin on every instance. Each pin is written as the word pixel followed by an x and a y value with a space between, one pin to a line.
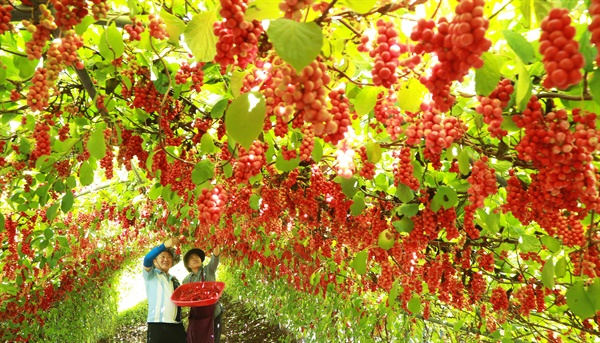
pixel 551 243
pixel 359 263
pixel 594 293
pixel 409 210
pixel 560 269
pixel 199 37
pixel 286 165
pixel 366 100
pixel 174 26
pixel 86 174
pixel 219 109
pixel 358 204
pixel 404 225
pixel 297 43
pixel 595 86
pixel 548 273
pixel 111 44
pixel 529 243
pixel 317 152
pixel 203 171
pixel 488 76
pixel 48 233
pixel 373 152
pixel 67 201
pixel 255 202
pixel 360 6
pixel 444 196
pixel 155 191
pixel 263 9
pixel 414 304
pixel 245 118
pixel 51 211
pixel 410 95
pixel 579 301
pixel 404 193
pixel 207 144
pixel 587 50
pixel 521 46
pixel 464 163
pixel 25 66
pixel 96 144
pixel 349 186
pixel 524 87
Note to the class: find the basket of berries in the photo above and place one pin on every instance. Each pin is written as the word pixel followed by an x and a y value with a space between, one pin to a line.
pixel 196 294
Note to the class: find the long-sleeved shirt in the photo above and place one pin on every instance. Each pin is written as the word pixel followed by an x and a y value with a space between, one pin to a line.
pixel 206 273
pixel 159 287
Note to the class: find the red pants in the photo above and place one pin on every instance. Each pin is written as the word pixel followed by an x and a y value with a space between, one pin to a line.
pixel 201 326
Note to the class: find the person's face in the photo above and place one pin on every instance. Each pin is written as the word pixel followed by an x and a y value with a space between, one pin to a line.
pixel 164 260
pixel 194 262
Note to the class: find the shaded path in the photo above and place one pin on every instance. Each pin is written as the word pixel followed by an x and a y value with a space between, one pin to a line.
pixel 241 324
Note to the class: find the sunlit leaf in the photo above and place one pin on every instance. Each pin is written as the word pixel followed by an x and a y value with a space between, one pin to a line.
pixel 349 186
pixel 203 171
pixel 560 269
pixel 199 36
pixel 174 26
pixel 359 263
pixel 551 243
pixel 410 95
pixel 595 86
pixel 520 46
pixel 67 201
pixel 444 196
pixel 548 273
pixel 529 243
pixel 297 43
pixel 404 193
pixel 245 117
pixel 373 152
pixel 96 144
pixel 111 45
pixel 255 202
pixel 263 9
pixel 286 165
pixel 366 100
pixel 358 204
pixel 488 76
pixel 403 225
pixel 86 174
pixel 414 304
pixel 524 88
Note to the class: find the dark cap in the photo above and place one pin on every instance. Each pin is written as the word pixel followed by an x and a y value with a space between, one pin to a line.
pixel 189 254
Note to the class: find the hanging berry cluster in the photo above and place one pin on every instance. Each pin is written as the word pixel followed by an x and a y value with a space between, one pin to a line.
pixel 491 107
pixel 562 59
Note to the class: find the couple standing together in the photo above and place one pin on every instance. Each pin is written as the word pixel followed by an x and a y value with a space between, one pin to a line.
pixel 164 317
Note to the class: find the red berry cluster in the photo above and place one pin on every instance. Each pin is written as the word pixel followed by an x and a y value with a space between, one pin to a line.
pixel 193 71
pixel 69 13
pixel 237 38
pixel 5 17
pixel 594 26
pixel 458 45
pixel 438 130
pixel 292 9
pixel 157 27
pixel 562 59
pixel 386 54
pixel 340 111
pixel 404 169
pixel 41 33
pixel 99 9
pixel 288 154
pixel 130 148
pixel 42 140
pixel 63 53
pixel 482 184
pixel 387 112
pixel 211 204
pixel 37 96
pixel 107 161
pixel 134 30
pixel 306 93
pixel 308 143
pixel 491 107
pixel 368 168
pixel 499 299
pixel 249 162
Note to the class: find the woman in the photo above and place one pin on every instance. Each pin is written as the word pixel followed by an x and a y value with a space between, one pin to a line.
pixel 204 322
pixel 164 317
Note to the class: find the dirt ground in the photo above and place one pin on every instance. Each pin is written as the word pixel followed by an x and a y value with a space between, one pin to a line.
pixel 241 324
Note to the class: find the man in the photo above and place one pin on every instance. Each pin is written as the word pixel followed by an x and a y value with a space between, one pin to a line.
pixel 164 317
pixel 197 327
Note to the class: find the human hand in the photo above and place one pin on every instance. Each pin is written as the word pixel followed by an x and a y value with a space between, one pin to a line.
pixel 172 242
pixel 216 250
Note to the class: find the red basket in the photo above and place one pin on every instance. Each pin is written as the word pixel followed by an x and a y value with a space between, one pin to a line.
pixel 196 294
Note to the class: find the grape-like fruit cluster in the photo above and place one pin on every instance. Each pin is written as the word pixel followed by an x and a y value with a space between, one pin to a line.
pixel 249 162
pixel 404 169
pixel 368 168
pixel 237 38
pixel 210 204
pixel 491 107
pixel 5 17
pixel 386 54
pixel 292 9
pixel 157 27
pixel 193 71
pixel 37 96
pixel 562 59
pixel 69 13
pixel 341 116
pixel 99 9
pixel 308 143
pixel 134 30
